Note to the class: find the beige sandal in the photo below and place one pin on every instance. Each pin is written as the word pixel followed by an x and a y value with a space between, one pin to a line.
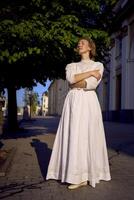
pixel 75 186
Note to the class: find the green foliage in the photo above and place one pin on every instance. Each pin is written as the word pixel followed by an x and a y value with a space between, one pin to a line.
pixel 37 37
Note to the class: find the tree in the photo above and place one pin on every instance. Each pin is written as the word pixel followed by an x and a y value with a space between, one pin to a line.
pixel 31 99
pixel 37 39
pixel 34 103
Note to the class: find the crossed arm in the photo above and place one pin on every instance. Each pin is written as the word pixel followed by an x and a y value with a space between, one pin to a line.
pixel 80 78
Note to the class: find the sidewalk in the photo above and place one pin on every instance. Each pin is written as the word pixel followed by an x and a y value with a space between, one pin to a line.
pixel 25 177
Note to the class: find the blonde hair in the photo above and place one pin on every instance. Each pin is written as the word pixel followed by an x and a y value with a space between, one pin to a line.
pixel 92 46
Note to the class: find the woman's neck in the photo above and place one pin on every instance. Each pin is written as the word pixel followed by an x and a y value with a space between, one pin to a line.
pixel 85 57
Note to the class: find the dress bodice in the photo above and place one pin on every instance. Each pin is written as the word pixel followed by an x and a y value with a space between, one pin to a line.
pixel 84 66
pixel 80 67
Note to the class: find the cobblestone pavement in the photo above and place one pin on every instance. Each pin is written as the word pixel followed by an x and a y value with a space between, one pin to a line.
pixel 25 178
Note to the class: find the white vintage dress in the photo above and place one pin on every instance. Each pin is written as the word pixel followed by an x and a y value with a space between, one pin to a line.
pixel 79 152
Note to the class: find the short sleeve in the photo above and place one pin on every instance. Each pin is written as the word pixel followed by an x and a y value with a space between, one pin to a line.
pixel 70 72
pixel 92 82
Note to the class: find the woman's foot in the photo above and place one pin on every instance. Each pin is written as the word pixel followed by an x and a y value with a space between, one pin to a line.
pixel 75 186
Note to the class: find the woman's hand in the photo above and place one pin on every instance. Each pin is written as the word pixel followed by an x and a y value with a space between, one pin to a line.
pixel 96 74
pixel 80 84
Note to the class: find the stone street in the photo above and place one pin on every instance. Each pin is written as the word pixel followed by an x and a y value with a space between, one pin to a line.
pixel 25 178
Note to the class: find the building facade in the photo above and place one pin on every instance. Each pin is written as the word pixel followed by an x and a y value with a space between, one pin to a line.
pixel 45 103
pixel 56 96
pixel 117 86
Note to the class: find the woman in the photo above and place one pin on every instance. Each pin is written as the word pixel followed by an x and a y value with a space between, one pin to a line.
pixel 79 153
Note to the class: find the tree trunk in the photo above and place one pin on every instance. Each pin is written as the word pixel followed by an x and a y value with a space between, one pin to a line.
pixel 12 109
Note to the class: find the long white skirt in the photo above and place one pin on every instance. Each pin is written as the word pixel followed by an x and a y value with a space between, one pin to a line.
pixel 79 152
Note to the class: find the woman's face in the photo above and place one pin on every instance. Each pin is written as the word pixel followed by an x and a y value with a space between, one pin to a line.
pixel 83 47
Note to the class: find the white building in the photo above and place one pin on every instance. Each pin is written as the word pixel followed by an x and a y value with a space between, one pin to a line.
pixel 45 103
pixel 56 95
pixel 117 88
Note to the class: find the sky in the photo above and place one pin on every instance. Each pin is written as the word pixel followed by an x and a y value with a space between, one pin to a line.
pixel 39 89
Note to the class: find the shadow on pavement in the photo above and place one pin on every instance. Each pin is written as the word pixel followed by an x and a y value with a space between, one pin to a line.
pixel 43 155
pixel 10 190
pixel 34 127
pixel 120 137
